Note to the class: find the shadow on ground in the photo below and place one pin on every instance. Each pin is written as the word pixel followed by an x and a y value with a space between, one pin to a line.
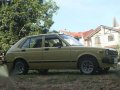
pixel 62 80
pixel 72 72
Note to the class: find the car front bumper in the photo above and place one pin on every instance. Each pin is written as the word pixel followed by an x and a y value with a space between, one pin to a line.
pixel 110 60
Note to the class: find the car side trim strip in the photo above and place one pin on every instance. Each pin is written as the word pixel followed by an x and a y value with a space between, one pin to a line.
pixel 49 61
pixel 45 61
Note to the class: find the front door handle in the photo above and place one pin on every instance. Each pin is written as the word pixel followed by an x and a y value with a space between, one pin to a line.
pixel 46 49
pixel 23 50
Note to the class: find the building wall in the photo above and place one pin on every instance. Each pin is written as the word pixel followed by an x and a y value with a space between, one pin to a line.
pixel 103 37
pixel 81 40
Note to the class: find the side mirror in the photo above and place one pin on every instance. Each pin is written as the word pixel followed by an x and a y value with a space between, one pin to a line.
pixel 59 45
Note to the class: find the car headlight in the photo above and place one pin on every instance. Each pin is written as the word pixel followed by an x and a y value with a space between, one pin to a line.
pixel 111 52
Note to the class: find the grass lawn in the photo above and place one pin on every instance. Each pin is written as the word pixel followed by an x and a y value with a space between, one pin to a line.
pixel 62 80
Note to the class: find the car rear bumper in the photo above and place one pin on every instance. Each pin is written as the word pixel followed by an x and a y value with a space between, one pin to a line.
pixel 2 60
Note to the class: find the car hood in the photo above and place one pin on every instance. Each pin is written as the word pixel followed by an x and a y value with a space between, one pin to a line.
pixel 91 48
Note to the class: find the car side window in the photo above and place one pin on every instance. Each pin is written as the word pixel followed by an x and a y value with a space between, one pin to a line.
pixel 36 42
pixel 26 44
pixel 53 41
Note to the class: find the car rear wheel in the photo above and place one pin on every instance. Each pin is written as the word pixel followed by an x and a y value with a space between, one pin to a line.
pixel 88 65
pixel 20 67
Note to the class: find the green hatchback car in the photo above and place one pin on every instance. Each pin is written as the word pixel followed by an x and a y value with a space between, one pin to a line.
pixel 58 51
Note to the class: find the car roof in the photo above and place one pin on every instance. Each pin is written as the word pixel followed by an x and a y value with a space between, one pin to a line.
pixel 43 35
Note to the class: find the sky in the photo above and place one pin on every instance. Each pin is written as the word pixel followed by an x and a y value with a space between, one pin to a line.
pixel 83 15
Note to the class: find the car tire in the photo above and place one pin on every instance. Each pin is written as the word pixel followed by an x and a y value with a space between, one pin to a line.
pixel 42 71
pixel 88 65
pixel 20 67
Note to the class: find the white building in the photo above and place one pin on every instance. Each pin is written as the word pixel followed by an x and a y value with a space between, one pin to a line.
pixel 103 36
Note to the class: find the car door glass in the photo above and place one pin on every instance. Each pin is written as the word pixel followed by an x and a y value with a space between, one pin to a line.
pixel 53 41
pixel 36 42
pixel 26 44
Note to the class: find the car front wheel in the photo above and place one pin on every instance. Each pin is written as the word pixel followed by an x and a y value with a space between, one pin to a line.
pixel 88 66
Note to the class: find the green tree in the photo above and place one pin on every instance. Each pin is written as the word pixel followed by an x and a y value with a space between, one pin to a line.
pixel 24 17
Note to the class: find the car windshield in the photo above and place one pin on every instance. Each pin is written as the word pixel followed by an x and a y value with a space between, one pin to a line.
pixel 71 40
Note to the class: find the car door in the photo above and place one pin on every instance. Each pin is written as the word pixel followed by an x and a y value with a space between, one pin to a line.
pixel 56 54
pixel 31 50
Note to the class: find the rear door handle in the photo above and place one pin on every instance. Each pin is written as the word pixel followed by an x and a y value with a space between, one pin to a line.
pixel 23 50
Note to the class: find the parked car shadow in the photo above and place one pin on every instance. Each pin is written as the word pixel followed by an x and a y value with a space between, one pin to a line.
pixel 72 72
pixel 56 72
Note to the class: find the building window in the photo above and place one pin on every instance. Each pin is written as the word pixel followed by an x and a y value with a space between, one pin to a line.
pixel 110 38
pixel 97 40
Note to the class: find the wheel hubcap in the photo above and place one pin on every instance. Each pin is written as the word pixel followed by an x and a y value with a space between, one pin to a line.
pixel 19 67
pixel 87 67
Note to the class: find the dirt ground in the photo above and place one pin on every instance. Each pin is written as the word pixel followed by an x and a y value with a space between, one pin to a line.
pixel 62 80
